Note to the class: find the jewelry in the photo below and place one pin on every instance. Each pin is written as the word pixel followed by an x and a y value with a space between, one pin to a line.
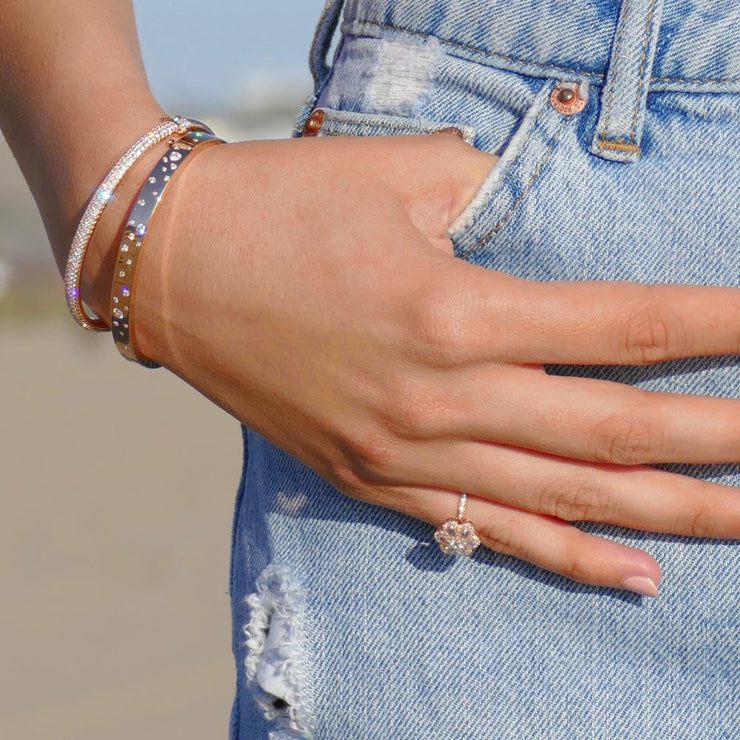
pixel 457 535
pixel 169 126
pixel 134 233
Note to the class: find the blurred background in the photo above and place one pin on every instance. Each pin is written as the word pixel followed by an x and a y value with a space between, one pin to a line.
pixel 115 615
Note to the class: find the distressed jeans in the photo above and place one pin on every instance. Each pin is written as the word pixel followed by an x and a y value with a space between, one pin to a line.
pixel 348 620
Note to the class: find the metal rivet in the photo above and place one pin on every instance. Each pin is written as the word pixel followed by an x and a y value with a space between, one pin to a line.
pixel 451 130
pixel 566 95
pixel 313 123
pixel 566 98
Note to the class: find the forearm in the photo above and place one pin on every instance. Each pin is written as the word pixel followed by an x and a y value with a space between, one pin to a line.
pixel 73 97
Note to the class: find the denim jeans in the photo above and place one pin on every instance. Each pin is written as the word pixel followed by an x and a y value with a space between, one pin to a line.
pixel 348 620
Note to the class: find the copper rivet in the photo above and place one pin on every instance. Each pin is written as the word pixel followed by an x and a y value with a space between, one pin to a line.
pixel 567 100
pixel 313 123
pixel 451 130
pixel 566 95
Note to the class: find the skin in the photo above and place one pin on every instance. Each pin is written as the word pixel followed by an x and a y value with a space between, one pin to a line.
pixel 308 288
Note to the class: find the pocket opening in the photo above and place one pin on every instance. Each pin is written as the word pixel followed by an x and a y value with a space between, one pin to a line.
pixel 512 178
pixel 325 121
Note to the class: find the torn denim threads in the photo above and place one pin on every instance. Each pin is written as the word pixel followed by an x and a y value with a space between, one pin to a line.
pixel 348 620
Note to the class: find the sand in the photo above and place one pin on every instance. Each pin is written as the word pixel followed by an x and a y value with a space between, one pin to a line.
pixel 117 492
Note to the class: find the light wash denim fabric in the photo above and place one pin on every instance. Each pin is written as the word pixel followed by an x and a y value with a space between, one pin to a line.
pixel 348 620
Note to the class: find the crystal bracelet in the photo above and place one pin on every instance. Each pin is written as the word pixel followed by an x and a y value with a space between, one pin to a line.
pixel 134 233
pixel 169 126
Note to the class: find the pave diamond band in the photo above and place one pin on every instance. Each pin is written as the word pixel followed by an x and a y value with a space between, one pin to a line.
pixel 457 535
pixel 168 126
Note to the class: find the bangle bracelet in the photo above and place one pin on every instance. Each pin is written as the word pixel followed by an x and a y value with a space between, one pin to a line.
pixel 169 126
pixel 134 233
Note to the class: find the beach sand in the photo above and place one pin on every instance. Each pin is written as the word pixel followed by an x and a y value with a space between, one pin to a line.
pixel 117 492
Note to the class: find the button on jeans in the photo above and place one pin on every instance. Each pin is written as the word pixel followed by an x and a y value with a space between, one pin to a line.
pixel 348 620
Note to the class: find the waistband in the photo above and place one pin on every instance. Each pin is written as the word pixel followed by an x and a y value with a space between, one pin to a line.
pixel 627 47
pixel 696 47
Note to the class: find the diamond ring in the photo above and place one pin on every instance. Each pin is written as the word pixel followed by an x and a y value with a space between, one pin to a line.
pixel 457 535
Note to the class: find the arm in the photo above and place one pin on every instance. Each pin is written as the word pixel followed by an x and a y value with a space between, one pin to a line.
pixel 308 288
pixel 73 96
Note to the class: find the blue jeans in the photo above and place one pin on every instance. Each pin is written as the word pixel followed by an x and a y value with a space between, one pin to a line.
pixel 348 620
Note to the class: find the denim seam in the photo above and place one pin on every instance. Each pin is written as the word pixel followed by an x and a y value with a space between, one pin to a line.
pixel 504 218
pixel 509 164
pixel 613 72
pixel 469 47
pixel 321 42
pixel 238 502
pixel 641 75
pixel 629 144
pixel 432 127
pixel 697 80
pixel 348 30
pixel 241 491
pixel 523 195
pixel 311 99
pixel 358 122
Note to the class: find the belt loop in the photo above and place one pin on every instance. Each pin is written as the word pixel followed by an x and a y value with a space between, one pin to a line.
pixel 623 97
pixel 322 41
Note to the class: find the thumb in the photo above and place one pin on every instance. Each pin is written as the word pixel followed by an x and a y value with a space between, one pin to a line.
pixel 471 167
pixel 460 171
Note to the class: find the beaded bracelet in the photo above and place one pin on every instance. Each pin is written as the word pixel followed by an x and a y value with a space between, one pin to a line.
pixel 169 126
pixel 134 233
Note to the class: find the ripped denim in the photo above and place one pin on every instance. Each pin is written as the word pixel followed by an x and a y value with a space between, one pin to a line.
pixel 349 623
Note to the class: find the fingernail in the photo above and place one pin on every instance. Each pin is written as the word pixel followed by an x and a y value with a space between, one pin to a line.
pixel 640 585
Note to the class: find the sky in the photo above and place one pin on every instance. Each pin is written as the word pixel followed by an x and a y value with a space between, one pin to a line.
pixel 207 53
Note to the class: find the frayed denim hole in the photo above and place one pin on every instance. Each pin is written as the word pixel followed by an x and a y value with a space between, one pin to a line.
pixel 275 663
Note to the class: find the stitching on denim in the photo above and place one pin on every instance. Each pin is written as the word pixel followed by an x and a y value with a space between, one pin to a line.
pixel 381 124
pixel 626 146
pixel 697 80
pixel 611 79
pixel 495 54
pixel 523 195
pixel 522 146
pixel 477 49
pixel 321 42
pixel 643 58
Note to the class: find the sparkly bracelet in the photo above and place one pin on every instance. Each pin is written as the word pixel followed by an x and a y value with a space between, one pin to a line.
pixel 137 223
pixel 169 126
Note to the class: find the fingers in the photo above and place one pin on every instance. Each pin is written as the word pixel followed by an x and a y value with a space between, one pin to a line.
pixel 637 497
pixel 511 320
pixel 589 419
pixel 541 540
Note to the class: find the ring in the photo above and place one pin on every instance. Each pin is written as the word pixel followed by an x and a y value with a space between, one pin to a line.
pixel 457 535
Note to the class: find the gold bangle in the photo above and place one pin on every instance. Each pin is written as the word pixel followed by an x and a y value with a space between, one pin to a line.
pixel 134 234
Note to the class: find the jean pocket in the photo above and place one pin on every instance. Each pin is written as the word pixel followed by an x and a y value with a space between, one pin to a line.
pixel 325 121
pixel 514 177
pixel 397 85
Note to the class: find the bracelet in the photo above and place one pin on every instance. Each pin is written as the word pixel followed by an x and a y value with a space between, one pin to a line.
pixel 169 126
pixel 134 233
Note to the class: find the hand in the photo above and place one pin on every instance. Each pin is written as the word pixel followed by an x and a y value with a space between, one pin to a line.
pixel 308 288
